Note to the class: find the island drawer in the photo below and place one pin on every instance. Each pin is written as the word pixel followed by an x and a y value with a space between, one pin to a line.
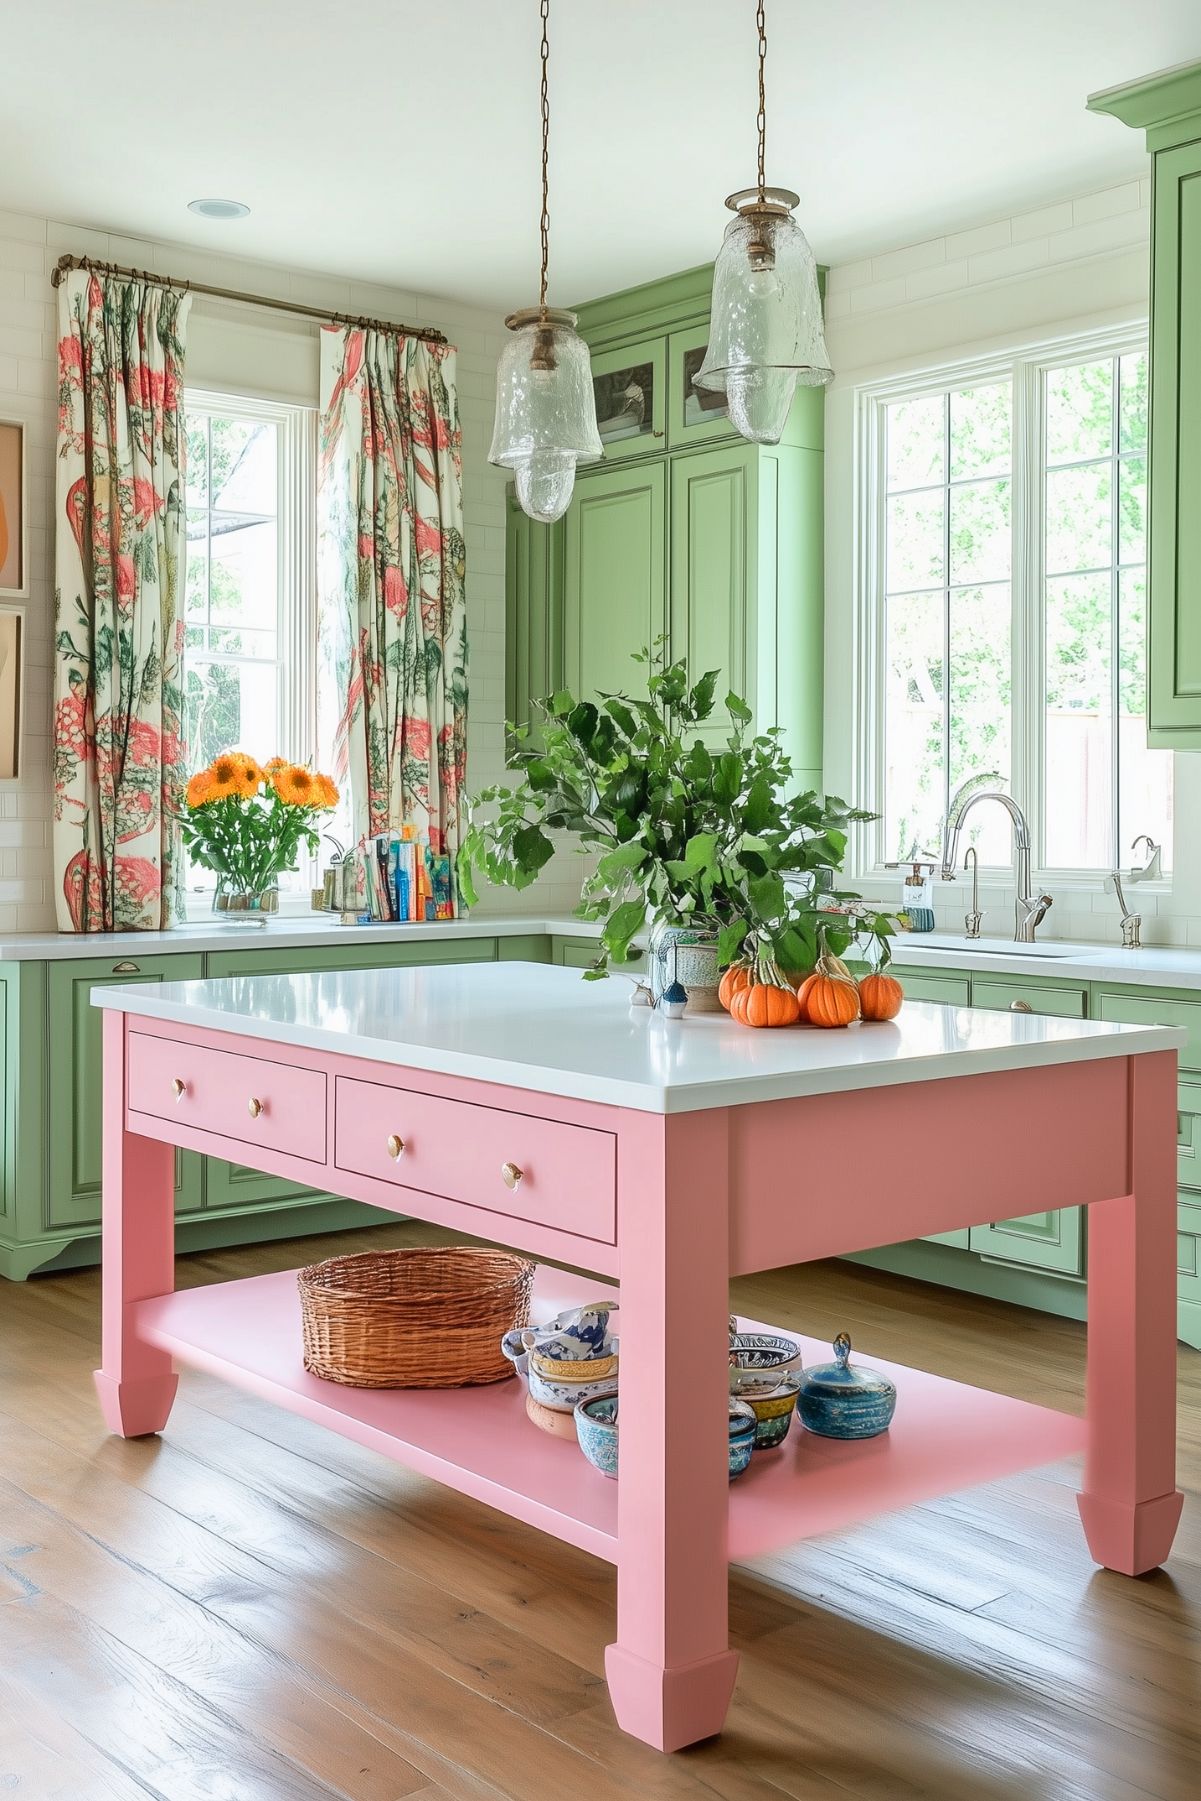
pixel 249 1099
pixel 547 1170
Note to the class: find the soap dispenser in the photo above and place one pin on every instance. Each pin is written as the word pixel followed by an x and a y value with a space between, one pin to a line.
pixel 917 892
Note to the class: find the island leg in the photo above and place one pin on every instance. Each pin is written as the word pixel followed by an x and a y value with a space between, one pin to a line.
pixel 135 1382
pixel 671 1672
pixel 1130 1504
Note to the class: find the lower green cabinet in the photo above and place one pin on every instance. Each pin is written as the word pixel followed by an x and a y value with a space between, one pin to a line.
pixel 580 953
pixel 73 1159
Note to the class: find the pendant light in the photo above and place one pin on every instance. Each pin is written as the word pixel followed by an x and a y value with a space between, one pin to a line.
pixel 765 327
pixel 545 404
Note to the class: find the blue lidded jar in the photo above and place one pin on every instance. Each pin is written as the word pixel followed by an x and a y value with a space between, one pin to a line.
pixel 836 1401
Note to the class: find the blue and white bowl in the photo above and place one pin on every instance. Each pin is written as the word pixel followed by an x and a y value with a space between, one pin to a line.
pixel 566 1396
pixel 596 1427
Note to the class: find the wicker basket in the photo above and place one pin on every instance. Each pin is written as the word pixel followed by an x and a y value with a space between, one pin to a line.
pixel 421 1318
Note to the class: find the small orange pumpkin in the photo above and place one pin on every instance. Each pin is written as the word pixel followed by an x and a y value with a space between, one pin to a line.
pixel 734 979
pixel 765 999
pixel 829 997
pixel 880 996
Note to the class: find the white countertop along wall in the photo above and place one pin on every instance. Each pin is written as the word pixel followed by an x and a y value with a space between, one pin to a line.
pixel 585 1041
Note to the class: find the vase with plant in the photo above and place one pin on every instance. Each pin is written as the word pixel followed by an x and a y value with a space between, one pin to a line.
pixel 714 847
pixel 247 824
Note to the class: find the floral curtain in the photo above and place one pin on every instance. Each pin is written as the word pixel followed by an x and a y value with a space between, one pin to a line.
pixel 118 759
pixel 392 601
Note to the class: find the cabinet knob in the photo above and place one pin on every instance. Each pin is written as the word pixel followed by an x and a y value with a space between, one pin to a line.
pixel 511 1175
pixel 254 1107
pixel 1020 1007
pixel 179 1088
pixel 396 1147
pixel 126 969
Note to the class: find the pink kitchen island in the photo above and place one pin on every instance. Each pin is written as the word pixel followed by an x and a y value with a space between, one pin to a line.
pixel 517 1103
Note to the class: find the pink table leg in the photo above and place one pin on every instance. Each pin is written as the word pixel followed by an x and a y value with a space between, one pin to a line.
pixel 1130 1505
pixel 136 1383
pixel 671 1672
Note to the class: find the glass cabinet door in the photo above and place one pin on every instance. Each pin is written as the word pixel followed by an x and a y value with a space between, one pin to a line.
pixel 694 414
pixel 631 400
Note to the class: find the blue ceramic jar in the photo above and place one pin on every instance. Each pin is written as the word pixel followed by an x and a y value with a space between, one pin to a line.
pixel 836 1401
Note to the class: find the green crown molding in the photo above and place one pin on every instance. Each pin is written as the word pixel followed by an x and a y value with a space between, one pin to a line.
pixel 1166 105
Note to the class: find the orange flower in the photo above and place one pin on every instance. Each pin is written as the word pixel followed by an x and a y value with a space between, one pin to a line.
pixel 296 786
pixel 200 789
pixel 247 762
pixel 275 763
pixel 229 775
pixel 327 791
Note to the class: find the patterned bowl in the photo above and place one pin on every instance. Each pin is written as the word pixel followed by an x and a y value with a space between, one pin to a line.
pixel 759 1361
pixel 565 1396
pixel 577 1369
pixel 596 1429
pixel 773 1413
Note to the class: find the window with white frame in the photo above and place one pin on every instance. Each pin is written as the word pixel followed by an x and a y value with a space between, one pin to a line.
pixel 1005 599
pixel 250 595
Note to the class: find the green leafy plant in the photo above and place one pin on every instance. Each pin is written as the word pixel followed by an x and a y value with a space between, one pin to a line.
pixel 683 834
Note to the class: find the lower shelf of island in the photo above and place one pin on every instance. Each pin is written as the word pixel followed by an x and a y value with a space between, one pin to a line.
pixel 945 1435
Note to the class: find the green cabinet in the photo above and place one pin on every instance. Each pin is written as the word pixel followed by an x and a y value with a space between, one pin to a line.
pixel 580 953
pixel 73 1161
pixel 1167 106
pixel 684 533
pixel 615 574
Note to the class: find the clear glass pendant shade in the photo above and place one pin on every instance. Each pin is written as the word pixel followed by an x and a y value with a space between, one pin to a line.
pixel 765 331
pixel 545 411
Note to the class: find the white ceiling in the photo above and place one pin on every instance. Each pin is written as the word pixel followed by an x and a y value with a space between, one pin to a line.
pixel 397 141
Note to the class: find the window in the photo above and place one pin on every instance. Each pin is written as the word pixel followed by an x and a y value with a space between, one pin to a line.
pixel 249 610
pixel 1006 606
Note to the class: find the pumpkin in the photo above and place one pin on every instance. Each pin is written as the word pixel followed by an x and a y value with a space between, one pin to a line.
pixel 829 996
pixel 765 1004
pixel 737 977
pixel 765 998
pixel 880 996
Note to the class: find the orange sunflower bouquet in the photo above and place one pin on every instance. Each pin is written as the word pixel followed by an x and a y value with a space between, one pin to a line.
pixel 246 822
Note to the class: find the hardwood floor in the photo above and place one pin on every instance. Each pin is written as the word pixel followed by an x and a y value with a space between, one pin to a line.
pixel 251 1609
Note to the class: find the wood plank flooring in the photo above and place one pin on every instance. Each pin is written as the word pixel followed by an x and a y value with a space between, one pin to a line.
pixel 251 1609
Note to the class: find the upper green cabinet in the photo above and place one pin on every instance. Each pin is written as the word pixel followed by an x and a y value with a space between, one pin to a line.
pixel 614 574
pixel 1168 107
pixel 684 532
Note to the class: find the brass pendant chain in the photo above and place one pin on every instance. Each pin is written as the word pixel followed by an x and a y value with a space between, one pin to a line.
pixel 761 24
pixel 544 223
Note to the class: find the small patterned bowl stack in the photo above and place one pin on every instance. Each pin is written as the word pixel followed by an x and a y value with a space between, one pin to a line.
pixel 596 1424
pixel 570 1359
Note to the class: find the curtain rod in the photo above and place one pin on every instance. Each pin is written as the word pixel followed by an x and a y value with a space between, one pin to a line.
pixel 66 263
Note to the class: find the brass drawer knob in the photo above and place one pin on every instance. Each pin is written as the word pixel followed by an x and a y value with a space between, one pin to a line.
pixel 179 1088
pixel 1020 1007
pixel 511 1175
pixel 254 1107
pixel 396 1147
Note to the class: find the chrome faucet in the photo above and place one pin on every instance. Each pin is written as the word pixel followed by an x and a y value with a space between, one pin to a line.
pixel 1029 909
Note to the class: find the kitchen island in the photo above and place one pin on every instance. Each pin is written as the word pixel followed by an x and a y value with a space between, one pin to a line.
pixel 519 1104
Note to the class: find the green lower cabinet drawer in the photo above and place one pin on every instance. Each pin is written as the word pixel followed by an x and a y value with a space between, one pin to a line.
pixel 581 953
pixel 1028 997
pixel 1137 1010
pixel 1050 1241
pixel 1188 1267
pixel 73 1196
pixel 923 985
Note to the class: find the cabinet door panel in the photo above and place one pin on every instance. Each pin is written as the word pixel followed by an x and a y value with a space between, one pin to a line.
pixel 694 415
pixel 1053 1240
pixel 1174 651
pixel 615 554
pixel 630 388
pixel 230 1184
pixel 75 1084
pixel 714 572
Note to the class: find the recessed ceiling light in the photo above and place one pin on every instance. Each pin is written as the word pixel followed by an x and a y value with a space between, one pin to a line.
pixel 218 209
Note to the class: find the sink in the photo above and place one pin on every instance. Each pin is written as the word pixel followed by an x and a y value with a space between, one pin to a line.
pixel 905 943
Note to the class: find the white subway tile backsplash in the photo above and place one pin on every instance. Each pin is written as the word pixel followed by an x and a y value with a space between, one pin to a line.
pixel 1109 201
pixel 1042 223
pixel 1009 260
pixel 979 240
pixel 908 260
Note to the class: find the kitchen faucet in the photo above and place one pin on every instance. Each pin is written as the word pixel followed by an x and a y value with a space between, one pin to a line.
pixel 1029 909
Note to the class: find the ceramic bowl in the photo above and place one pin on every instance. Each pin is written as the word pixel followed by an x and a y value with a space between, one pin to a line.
pixel 596 1428
pixel 549 1419
pixel 513 1348
pixel 574 1369
pixel 773 1413
pixel 759 1361
pixel 577 1333
pixel 565 1396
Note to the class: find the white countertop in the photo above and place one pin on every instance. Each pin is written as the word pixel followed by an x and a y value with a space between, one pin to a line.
pixel 284 931
pixel 527 1025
